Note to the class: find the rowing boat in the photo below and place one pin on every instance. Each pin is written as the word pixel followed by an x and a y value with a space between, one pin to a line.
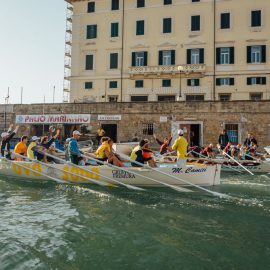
pixel 201 174
pixel 267 149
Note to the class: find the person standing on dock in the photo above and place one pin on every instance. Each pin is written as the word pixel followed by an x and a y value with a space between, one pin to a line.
pixel 180 145
pixel 223 139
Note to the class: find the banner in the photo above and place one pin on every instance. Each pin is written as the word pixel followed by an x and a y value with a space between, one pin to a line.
pixel 53 119
pixel 104 117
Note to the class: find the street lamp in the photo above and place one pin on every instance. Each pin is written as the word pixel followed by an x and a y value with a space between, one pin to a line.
pixel 180 69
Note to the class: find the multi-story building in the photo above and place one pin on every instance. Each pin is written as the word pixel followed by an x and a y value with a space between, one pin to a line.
pixel 162 50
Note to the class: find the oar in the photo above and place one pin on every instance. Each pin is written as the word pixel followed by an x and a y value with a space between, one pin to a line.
pixel 30 169
pixel 89 179
pixel 176 178
pixel 229 167
pixel 259 160
pixel 238 163
pixel 138 174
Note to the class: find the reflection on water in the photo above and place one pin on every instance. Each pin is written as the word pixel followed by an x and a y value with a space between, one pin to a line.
pixel 47 226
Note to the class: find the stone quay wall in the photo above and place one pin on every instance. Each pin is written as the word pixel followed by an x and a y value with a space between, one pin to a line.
pixel 249 115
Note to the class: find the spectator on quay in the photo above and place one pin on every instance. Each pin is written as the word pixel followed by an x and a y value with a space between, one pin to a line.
pixel 223 139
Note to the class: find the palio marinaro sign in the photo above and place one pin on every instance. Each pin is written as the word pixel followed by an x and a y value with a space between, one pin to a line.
pixel 53 119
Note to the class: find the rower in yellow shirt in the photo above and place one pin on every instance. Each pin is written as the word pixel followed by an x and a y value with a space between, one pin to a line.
pixel 180 145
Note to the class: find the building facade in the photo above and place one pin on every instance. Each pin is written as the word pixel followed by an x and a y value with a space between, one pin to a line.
pixel 167 50
pixel 202 121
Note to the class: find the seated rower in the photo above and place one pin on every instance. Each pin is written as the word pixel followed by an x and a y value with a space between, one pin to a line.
pixel 104 152
pixel 164 146
pixel 236 151
pixel 208 151
pixel 141 153
pixel 227 149
pixel 73 149
pixel 21 148
pixel 6 138
pixel 32 147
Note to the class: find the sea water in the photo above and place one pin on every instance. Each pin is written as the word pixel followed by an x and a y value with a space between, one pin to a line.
pixel 56 226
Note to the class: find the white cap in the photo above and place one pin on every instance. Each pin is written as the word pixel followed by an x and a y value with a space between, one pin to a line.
pixel 4 134
pixel 76 132
pixel 180 132
pixel 35 138
pixel 67 140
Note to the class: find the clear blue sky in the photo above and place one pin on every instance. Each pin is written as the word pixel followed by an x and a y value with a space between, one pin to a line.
pixel 32 40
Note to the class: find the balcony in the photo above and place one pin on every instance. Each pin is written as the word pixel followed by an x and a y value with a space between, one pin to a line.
pixel 163 70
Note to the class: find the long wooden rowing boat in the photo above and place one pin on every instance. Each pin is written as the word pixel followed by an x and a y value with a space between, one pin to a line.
pixel 267 149
pixel 201 174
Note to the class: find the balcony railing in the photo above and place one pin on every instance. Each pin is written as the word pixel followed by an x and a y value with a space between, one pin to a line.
pixel 198 68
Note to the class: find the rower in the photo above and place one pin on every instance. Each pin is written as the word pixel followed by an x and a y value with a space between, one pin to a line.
pixel 208 151
pixel 6 138
pixel 21 148
pixel 73 149
pixel 31 153
pixel 164 146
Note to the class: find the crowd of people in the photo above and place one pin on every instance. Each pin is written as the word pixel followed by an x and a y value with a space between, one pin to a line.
pixel 43 148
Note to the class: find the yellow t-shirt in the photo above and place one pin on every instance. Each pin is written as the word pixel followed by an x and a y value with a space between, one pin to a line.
pixel 30 152
pixel 180 145
pixel 133 155
pixel 20 148
pixel 100 153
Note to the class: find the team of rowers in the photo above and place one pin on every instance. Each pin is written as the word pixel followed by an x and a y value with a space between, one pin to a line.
pixel 42 149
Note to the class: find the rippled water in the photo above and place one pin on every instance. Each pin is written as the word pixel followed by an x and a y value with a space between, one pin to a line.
pixel 52 226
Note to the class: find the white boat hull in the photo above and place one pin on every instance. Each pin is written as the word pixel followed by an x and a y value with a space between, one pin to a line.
pixel 199 175
pixel 267 149
pixel 124 148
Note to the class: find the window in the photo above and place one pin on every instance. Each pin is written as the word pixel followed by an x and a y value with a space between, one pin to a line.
pixel 256 18
pixel 195 0
pixel 233 132
pixel 225 97
pixel 195 56
pixel 225 55
pixel 166 57
pixel 113 84
pixel 112 98
pixel 256 54
pixel 115 4
pixel 167 2
pixel 91 31
pixel 225 20
pixel 256 80
pixel 166 83
pixel 140 28
pixel 256 96
pixel 140 3
pixel 193 82
pixel 114 29
pixel 224 81
pixel 148 129
pixel 88 85
pixel 139 83
pixel 113 60
pixel 167 25
pixel 139 98
pixel 195 23
pixel 194 97
pixel 166 98
pixel 91 7
pixel 89 62
pixel 139 59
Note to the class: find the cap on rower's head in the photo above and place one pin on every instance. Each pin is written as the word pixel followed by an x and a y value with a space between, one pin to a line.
pixel 67 140
pixel 34 138
pixel 4 134
pixel 52 128
pixel 180 132
pixel 76 132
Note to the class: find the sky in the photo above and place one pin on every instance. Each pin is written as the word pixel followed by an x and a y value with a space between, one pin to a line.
pixel 32 42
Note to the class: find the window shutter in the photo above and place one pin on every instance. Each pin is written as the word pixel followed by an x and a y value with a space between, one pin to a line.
pixel 263 53
pixel 259 80
pixel 188 56
pixel 218 60
pixel 145 58
pixel 160 54
pixel 197 82
pixel 217 81
pixel 133 63
pixel 264 80
pixel 172 57
pixel 201 56
pixel 231 55
pixel 248 54
pixel 89 62
pixel 231 81
pixel 189 82
pixel 248 81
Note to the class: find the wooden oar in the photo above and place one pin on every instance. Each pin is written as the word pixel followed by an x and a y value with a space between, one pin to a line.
pixel 176 178
pixel 230 167
pixel 259 160
pixel 238 163
pixel 138 174
pixel 34 171
pixel 89 179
